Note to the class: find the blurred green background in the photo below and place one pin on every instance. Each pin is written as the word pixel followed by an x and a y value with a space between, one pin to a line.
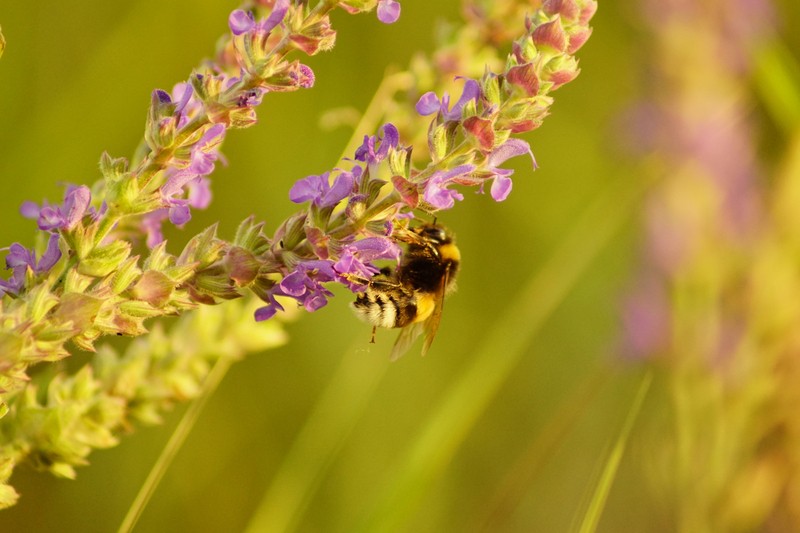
pixel 511 435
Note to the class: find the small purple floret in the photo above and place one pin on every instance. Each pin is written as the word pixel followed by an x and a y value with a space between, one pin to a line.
pixel 429 103
pixel 388 11
pixel 318 190
pixel 19 259
pixel 436 192
pixel 241 21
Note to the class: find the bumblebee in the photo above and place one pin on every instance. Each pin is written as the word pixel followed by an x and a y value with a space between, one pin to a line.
pixel 412 296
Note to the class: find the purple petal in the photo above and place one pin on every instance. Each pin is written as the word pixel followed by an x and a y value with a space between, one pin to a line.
pixel 179 214
pixel 268 311
pixel 388 11
pixel 501 187
pixel 175 184
pixel 294 284
pixel 50 218
pixel 314 302
pixel 471 92
pixel 161 96
pixel 276 17
pixel 29 209
pixel 199 193
pixel 19 256
pixel 241 22
pixel 76 204
pixel 184 92
pixel 373 248
pixel 509 149
pixel 456 172
pixel 307 189
pixel 428 104
pixel 51 255
pixel 389 139
pixel 151 225
pixel 342 186
pixel 321 269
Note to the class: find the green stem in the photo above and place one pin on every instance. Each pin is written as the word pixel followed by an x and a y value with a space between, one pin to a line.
pixel 174 444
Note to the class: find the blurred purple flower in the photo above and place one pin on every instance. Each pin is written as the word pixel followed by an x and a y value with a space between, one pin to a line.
pixel 429 103
pixel 53 217
pixel 645 318
pixel 388 11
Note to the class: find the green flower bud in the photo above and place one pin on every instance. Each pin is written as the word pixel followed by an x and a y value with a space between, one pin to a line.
pixel 103 260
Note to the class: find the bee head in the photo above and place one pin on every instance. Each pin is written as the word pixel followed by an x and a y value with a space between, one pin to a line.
pixel 434 234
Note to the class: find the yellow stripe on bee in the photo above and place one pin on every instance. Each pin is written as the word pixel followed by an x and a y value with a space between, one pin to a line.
pixel 449 252
pixel 425 306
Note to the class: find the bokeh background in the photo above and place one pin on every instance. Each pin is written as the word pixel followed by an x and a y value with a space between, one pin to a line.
pixel 505 426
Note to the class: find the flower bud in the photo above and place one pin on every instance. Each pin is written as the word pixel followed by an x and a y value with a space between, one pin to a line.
pixel 550 36
pixel 103 260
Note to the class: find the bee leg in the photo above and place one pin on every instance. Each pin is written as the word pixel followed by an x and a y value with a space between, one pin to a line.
pixel 372 340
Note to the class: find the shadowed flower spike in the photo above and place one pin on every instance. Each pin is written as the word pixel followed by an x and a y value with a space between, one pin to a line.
pixel 429 103
pixel 388 11
pixel 436 192
pixel 318 190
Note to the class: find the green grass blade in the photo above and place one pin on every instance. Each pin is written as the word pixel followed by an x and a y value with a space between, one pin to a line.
pixel 174 444
pixel 324 433
pixel 777 79
pixel 601 492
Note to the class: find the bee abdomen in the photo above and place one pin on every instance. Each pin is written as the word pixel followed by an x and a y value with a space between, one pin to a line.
pixel 384 309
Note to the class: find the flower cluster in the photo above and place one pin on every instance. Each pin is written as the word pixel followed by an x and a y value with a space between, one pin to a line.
pixel 467 141
pixel 87 283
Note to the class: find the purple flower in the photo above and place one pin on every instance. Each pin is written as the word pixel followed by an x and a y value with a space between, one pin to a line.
pixel 302 76
pixel 436 192
pixel 206 151
pixel 501 183
pixel 388 11
pixel 429 103
pixel 151 226
pixel 304 284
pixel 19 259
pixel 320 192
pixel 187 105
pixel 201 163
pixel 356 258
pixel 67 216
pixel 388 137
pixel 241 22
pixel 268 311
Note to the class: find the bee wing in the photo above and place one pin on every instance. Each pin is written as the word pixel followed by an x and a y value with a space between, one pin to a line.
pixel 431 325
pixel 406 338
